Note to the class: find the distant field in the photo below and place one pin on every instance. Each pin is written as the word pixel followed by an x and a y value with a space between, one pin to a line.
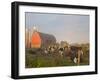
pixel 36 58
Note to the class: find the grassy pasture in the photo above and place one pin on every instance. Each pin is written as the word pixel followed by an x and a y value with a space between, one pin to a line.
pixel 35 58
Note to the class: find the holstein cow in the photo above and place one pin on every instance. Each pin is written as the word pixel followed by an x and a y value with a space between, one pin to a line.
pixel 76 54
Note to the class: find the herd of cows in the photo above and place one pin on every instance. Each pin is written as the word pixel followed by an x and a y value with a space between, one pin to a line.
pixel 75 53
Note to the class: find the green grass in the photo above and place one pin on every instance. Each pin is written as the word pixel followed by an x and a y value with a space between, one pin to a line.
pixel 38 59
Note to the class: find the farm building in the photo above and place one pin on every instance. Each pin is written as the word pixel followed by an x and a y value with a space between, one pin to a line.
pixel 35 39
pixel 47 39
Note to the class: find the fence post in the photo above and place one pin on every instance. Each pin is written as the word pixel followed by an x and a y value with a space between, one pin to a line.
pixel 78 57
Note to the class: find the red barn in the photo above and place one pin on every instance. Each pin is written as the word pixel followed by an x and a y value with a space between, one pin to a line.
pixel 37 39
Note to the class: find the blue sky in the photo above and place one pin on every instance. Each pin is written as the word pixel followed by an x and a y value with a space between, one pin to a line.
pixel 65 27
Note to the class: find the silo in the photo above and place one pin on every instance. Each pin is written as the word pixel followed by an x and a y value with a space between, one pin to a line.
pixel 27 39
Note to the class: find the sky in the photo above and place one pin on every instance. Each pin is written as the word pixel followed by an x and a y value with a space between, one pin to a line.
pixel 73 28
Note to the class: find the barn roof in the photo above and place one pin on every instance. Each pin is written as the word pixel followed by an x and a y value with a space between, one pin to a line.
pixel 47 36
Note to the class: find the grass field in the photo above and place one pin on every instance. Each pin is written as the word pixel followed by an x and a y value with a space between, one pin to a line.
pixel 36 59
